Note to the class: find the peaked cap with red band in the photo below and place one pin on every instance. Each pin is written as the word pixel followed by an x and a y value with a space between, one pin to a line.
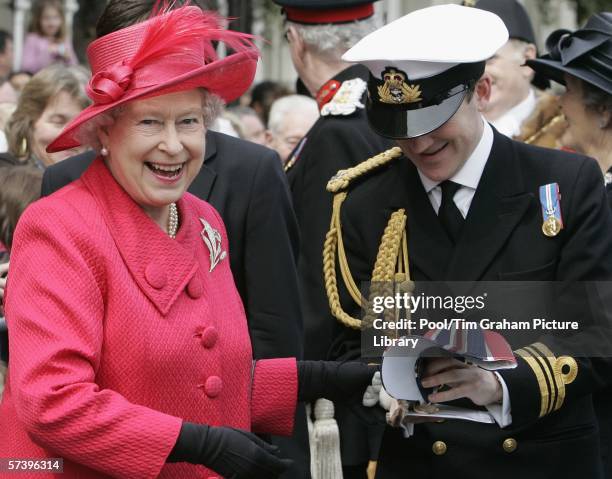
pixel 318 12
pixel 169 52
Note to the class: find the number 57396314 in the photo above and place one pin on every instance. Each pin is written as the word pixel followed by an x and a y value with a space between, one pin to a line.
pixel 17 465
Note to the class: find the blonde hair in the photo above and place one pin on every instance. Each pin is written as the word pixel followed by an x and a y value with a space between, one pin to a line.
pixel 37 12
pixel 35 97
pixel 6 110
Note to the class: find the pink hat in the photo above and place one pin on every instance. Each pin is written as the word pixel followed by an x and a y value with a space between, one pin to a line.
pixel 167 53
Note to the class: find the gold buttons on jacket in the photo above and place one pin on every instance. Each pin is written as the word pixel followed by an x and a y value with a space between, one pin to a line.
pixel 510 444
pixel 439 448
pixel 209 337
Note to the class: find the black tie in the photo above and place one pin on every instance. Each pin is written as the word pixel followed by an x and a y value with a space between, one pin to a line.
pixel 449 214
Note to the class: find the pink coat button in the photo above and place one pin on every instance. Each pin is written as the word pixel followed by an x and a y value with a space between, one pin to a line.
pixel 213 386
pixel 209 337
pixel 194 287
pixel 156 276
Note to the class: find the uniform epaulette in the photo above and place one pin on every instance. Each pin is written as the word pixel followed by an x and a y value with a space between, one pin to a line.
pixel 346 98
pixel 341 180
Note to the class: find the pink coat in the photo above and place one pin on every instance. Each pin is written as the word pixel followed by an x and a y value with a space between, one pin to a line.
pixel 118 333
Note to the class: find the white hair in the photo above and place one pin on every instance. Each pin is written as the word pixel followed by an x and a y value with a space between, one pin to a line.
pixel 519 47
pixel 333 40
pixel 291 104
pixel 87 135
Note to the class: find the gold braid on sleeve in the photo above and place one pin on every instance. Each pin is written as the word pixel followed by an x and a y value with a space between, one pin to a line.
pixel 392 258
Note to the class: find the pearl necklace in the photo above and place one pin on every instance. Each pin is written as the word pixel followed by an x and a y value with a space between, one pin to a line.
pixel 173 220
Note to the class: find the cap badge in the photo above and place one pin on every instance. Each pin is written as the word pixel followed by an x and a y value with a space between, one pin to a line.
pixel 212 239
pixel 395 89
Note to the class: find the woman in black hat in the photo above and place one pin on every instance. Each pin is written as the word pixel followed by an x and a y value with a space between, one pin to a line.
pixel 582 61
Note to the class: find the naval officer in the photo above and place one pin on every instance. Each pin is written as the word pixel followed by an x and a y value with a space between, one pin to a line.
pixel 458 201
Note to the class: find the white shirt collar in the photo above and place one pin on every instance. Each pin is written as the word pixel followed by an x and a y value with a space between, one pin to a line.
pixel 471 171
pixel 510 122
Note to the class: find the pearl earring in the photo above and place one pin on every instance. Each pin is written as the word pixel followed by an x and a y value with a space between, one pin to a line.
pixel 104 151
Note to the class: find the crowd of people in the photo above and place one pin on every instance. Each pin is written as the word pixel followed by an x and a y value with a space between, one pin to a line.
pixel 183 254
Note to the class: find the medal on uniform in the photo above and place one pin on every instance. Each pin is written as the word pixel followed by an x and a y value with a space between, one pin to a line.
pixel 295 155
pixel 550 200
pixel 212 239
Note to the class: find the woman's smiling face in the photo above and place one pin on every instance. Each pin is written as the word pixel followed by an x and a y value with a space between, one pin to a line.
pixel 156 147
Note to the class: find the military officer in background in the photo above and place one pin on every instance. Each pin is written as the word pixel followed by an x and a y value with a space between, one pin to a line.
pixel 464 201
pixel 318 33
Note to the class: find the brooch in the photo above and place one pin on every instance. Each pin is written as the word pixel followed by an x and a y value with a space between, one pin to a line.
pixel 212 239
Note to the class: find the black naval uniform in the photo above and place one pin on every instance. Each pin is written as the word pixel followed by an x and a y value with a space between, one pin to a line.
pixel 334 142
pixel 502 239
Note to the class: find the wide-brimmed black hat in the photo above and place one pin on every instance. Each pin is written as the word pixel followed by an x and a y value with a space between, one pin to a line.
pixel 519 26
pixel 422 65
pixel 585 53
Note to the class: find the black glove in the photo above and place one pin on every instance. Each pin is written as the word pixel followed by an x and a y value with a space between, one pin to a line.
pixel 233 453
pixel 334 380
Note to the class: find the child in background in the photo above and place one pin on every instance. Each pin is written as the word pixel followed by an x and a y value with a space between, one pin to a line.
pixel 47 41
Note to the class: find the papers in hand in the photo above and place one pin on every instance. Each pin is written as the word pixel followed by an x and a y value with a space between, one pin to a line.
pixel 402 367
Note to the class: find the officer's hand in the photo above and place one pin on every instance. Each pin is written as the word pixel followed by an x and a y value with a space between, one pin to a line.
pixel 465 381
pixel 398 411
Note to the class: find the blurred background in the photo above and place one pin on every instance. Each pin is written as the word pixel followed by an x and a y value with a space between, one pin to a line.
pixel 263 18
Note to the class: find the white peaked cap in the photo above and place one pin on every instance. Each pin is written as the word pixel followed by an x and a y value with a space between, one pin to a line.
pixel 429 41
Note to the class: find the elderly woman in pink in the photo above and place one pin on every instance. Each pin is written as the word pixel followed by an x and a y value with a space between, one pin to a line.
pixel 130 354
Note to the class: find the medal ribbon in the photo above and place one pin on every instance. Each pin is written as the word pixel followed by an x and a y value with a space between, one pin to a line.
pixel 550 201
